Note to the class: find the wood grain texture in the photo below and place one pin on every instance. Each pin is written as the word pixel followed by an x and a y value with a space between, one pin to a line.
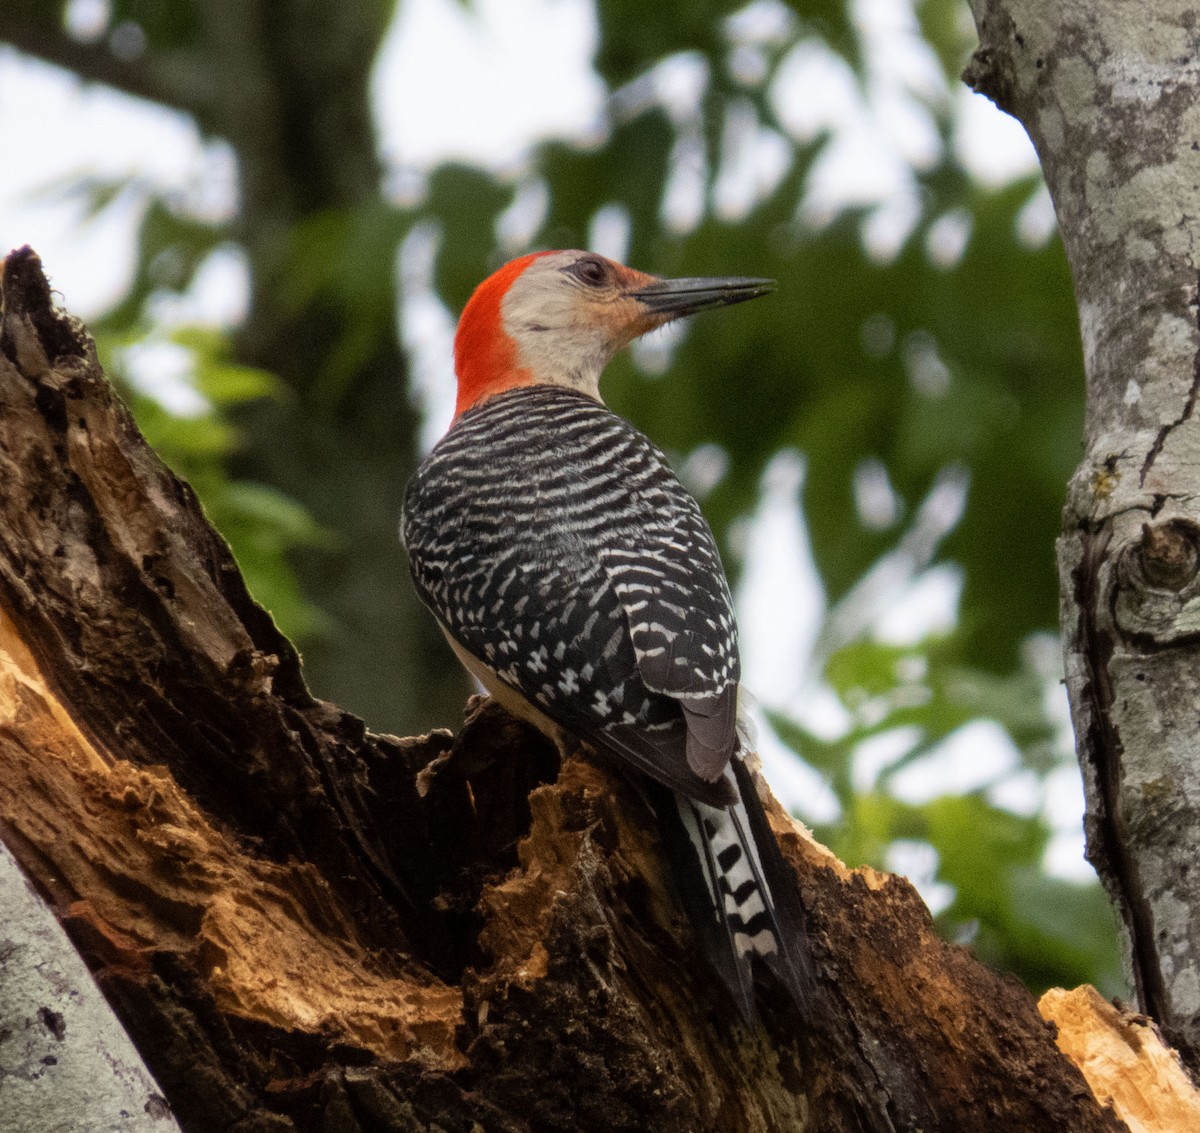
pixel 1124 1058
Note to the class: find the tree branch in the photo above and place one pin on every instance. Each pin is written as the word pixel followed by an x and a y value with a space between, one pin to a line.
pixel 176 79
pixel 63 1053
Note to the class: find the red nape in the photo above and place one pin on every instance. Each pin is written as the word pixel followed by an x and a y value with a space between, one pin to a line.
pixel 485 356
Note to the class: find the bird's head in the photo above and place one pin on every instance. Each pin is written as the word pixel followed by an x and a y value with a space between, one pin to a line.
pixel 557 318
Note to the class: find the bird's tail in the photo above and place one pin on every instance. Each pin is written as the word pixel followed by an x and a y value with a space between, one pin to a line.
pixel 738 893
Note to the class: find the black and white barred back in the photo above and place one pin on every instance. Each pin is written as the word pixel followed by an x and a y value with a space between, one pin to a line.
pixel 554 544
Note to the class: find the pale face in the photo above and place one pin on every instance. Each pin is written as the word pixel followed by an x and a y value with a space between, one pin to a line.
pixel 557 318
pixel 570 312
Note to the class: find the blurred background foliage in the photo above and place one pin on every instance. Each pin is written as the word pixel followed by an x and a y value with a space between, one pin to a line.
pixel 918 372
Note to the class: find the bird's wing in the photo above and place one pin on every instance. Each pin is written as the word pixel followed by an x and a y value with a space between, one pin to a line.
pixel 672 587
pixel 572 658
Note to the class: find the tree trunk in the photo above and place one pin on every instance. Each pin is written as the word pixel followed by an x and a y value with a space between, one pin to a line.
pixel 1110 95
pixel 65 1062
pixel 305 926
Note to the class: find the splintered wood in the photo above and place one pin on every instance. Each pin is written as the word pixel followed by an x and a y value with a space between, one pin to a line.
pixel 1124 1060
pixel 272 941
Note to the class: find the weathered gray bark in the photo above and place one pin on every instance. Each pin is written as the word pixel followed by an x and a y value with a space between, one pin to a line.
pixel 66 1064
pixel 1110 94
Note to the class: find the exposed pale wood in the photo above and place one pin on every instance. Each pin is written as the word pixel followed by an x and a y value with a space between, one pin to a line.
pixel 1123 1057
pixel 272 941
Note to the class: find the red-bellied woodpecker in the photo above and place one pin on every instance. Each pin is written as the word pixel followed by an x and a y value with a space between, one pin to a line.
pixel 577 579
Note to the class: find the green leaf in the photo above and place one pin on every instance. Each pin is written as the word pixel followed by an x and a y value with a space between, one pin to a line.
pixel 948 29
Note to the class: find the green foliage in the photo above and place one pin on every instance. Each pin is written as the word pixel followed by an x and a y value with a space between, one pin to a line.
pixel 946 26
pixel 343 261
pixel 830 19
pixel 466 203
pixel 173 26
pixel 1048 931
pixel 261 524
pixel 629 40
pixel 171 248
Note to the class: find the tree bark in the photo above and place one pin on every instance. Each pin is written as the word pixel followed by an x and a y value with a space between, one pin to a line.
pixel 1110 95
pixel 66 1064
pixel 305 926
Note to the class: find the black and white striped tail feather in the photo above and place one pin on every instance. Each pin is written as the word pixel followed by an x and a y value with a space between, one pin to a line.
pixel 738 894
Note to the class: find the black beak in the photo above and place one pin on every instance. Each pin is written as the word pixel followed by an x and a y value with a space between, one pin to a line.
pixel 677 297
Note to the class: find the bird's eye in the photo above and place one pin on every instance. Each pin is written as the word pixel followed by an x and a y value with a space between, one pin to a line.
pixel 590 270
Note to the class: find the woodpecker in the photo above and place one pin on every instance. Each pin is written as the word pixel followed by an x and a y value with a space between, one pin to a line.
pixel 577 580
